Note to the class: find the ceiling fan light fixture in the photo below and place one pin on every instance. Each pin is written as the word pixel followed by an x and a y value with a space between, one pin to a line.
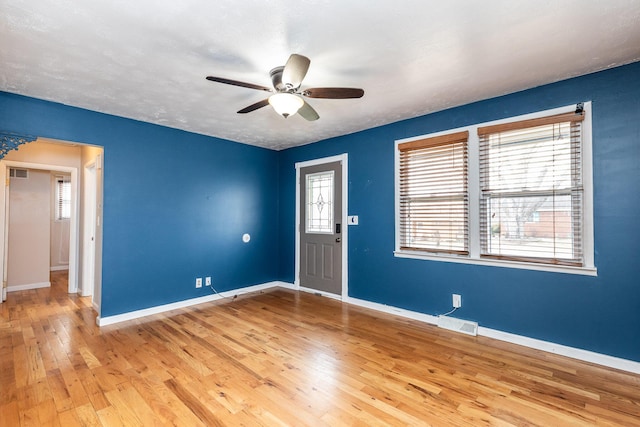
pixel 287 96
pixel 286 104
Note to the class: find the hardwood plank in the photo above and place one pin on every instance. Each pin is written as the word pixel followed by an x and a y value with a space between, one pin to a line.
pixel 88 357
pixel 158 406
pixel 183 414
pixel 70 418
pixel 34 361
pixel 108 416
pixel 61 396
pixel 73 384
pixel 93 388
pixel 29 417
pixel 20 365
pixel 47 413
pixel 193 403
pixel 129 414
pixel 10 413
pixel 48 360
pixel 143 409
pixel 87 416
pixel 34 394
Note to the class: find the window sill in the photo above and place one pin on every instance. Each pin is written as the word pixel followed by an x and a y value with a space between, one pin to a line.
pixel 585 271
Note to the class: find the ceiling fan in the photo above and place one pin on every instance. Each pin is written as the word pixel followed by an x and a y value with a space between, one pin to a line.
pixel 287 98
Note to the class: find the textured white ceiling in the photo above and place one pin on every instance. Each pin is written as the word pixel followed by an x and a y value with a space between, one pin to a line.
pixel 148 60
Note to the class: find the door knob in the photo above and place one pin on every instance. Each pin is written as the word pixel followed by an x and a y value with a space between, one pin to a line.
pixel 338 240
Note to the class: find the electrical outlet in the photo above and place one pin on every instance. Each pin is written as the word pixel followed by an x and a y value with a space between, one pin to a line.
pixel 457 301
pixel 199 282
pixel 207 281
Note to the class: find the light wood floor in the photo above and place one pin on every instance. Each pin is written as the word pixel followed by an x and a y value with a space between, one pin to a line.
pixel 283 358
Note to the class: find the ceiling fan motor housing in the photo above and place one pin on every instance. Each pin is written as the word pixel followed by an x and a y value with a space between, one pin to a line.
pixel 276 79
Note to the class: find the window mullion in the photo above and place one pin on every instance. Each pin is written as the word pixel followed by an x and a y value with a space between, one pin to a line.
pixel 473 175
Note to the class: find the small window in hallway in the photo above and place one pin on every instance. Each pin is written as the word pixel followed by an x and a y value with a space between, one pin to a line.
pixel 63 198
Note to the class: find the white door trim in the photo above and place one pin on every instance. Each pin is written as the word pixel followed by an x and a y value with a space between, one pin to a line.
pixel 74 223
pixel 343 159
pixel 89 231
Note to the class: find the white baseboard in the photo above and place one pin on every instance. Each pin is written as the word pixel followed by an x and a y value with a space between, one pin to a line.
pixel 28 286
pixel 572 352
pixel 59 268
pixel 317 292
pixel 421 317
pixel 110 320
pixel 285 285
pixel 563 350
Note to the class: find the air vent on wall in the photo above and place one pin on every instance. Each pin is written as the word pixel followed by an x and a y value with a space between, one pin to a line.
pixel 18 173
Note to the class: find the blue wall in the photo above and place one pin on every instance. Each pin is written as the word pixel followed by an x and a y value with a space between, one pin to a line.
pixel 600 314
pixel 175 204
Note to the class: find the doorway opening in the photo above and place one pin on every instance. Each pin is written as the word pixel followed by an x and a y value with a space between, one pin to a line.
pixel 33 240
pixel 64 162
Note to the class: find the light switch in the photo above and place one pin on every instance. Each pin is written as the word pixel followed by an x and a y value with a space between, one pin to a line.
pixel 352 220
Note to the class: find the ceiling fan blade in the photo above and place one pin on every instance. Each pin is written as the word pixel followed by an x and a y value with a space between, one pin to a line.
pixel 237 83
pixel 255 106
pixel 294 70
pixel 333 92
pixel 307 112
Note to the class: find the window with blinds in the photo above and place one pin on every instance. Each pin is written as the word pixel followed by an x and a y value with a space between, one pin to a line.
pixel 433 197
pixel 516 192
pixel 63 198
pixel 531 192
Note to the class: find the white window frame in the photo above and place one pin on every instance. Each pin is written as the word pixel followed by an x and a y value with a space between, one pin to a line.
pixel 65 179
pixel 474 199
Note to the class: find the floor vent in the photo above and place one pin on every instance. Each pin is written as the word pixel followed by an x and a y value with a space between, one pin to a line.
pixel 458 325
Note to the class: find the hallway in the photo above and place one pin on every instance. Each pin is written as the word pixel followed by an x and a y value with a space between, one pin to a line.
pixel 46 302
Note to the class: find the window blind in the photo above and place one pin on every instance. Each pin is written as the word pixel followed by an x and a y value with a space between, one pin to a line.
pixel 63 198
pixel 531 192
pixel 434 203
